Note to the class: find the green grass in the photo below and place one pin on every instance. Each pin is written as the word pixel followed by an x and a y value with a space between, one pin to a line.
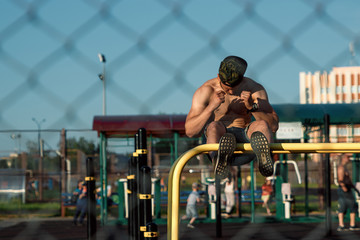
pixel 15 208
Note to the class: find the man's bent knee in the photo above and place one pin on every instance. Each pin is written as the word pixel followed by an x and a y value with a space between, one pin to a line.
pixel 214 131
pixel 259 125
pixel 215 128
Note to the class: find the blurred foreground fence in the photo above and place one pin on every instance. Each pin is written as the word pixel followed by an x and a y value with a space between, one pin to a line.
pixel 30 74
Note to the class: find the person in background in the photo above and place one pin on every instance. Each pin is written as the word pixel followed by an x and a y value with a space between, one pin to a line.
pixel 77 191
pixel 108 195
pixel 346 198
pixel 230 196
pixel 191 210
pixel 81 205
pixel 163 184
pixel 267 190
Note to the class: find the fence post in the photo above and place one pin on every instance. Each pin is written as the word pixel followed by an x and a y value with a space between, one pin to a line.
pixel 239 185
pixel 132 199
pixel 157 199
pixel 327 176
pixel 218 207
pixel 145 198
pixel 141 162
pixel 63 159
pixel 151 231
pixel 134 160
pixel 91 202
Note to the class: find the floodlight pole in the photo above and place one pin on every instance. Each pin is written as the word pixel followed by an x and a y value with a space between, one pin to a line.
pixel 38 124
pixel 103 79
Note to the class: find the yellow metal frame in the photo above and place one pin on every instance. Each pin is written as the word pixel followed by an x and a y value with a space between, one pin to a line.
pixel 178 166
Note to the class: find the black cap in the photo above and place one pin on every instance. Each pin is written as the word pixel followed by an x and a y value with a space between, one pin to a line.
pixel 232 70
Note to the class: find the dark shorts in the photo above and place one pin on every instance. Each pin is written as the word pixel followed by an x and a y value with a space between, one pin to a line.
pixel 346 201
pixel 241 137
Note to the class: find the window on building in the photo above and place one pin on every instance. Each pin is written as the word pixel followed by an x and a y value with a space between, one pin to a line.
pixel 342 132
pixel 356 131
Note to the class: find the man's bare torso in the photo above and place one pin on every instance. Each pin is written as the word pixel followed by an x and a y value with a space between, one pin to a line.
pixel 344 175
pixel 232 112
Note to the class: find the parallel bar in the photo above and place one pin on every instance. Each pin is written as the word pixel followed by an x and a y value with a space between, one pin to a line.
pixel 178 166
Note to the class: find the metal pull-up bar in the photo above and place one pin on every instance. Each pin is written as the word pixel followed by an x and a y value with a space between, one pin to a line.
pixel 176 169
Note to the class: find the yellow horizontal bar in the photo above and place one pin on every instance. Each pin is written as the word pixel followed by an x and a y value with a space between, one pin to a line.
pixel 177 167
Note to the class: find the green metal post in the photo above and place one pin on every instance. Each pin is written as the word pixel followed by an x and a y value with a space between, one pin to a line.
pixel 239 186
pixel 172 154
pixel 103 179
pixel 101 176
pixel 157 199
pixel 176 143
pixel 306 140
pixel 121 203
pixel 252 192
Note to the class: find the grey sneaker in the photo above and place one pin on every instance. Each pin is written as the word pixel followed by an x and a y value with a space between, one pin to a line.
pixel 354 228
pixel 227 146
pixel 260 146
pixel 341 229
pixel 190 226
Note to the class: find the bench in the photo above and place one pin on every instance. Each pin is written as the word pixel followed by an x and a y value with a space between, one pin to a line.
pixel 183 197
pixel 246 196
pixel 66 202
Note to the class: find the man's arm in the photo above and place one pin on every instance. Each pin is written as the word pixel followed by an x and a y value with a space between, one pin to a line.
pixel 265 111
pixel 204 102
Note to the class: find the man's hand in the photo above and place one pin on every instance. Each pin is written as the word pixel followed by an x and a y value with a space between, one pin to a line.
pixel 217 98
pixel 245 96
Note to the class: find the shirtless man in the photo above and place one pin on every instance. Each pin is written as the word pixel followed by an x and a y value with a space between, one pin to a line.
pixel 345 195
pixel 223 107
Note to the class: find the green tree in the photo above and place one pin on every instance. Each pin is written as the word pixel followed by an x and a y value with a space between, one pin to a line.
pixel 32 147
pixel 87 147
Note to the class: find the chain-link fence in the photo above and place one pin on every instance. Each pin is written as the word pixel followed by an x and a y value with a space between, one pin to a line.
pixel 157 53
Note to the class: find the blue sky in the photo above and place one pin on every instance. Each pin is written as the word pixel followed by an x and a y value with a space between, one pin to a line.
pixel 158 53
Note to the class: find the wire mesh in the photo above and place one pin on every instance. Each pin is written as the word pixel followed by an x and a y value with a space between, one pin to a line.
pixel 158 52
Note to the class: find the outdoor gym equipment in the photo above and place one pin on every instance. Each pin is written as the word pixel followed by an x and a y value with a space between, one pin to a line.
pixel 139 192
pixel 177 167
pixel 123 201
pixel 286 188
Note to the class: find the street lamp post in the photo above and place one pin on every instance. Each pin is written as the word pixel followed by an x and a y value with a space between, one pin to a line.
pixel 103 79
pixel 17 137
pixel 38 124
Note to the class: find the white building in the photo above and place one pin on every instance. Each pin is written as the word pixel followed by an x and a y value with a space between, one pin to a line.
pixel 339 86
